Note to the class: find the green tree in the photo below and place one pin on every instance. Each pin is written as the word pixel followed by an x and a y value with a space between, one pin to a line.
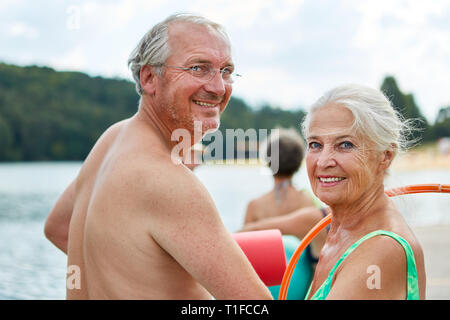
pixel 441 127
pixel 58 115
pixel 405 104
pixel 5 139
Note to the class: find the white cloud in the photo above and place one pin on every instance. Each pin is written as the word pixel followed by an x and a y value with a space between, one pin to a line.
pixel 22 29
pixel 6 5
pixel 400 38
pixel 275 86
pixel 101 18
pixel 73 59
pixel 244 14
pixel 262 47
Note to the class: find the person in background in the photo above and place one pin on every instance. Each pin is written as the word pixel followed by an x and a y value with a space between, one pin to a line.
pixel 284 198
pixel 353 134
pixel 294 212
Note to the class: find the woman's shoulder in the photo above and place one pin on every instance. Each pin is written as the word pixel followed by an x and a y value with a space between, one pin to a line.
pixel 388 250
pixel 388 241
pixel 379 258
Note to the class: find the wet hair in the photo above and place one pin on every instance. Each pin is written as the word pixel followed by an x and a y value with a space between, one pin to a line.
pixel 374 117
pixel 153 49
pixel 291 150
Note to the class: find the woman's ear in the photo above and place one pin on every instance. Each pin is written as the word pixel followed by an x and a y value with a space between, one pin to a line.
pixel 147 78
pixel 387 158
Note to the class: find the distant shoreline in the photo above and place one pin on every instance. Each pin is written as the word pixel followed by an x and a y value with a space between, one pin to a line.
pixel 415 159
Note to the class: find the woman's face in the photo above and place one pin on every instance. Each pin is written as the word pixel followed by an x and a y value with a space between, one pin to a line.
pixel 342 167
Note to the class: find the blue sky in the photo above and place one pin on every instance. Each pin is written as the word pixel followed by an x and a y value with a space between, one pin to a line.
pixel 289 51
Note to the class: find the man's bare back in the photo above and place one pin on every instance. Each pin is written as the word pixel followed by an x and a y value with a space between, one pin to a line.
pixel 109 238
pixel 122 229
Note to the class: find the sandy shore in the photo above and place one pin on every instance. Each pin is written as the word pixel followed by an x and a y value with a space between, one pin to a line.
pixel 421 159
pixel 435 242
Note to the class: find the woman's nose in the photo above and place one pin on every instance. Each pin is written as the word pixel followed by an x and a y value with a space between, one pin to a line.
pixel 326 158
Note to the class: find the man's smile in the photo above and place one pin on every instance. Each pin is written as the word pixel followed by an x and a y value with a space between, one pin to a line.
pixel 206 104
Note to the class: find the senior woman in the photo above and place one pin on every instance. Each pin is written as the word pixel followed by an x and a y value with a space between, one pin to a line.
pixel 353 134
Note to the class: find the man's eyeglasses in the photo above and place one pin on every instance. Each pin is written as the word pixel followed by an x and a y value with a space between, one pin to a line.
pixel 207 73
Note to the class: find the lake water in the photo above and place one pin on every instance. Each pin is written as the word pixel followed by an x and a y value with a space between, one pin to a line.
pixel 31 268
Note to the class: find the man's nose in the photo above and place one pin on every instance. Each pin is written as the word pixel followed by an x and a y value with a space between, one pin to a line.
pixel 216 85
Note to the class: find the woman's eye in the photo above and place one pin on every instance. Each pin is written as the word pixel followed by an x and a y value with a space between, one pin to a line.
pixel 346 145
pixel 313 145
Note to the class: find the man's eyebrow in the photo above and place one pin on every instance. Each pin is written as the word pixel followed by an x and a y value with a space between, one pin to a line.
pixel 200 61
pixel 203 61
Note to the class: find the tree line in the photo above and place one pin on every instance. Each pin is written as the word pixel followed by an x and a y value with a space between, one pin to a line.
pixel 48 115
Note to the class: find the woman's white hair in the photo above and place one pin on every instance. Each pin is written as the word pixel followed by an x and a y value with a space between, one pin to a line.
pixel 374 116
pixel 154 49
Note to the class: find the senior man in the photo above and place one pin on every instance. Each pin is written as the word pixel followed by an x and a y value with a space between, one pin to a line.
pixel 136 224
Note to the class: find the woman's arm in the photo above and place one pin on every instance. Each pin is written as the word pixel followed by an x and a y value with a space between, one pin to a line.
pixel 297 223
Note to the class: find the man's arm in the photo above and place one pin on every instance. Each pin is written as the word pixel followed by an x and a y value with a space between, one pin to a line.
pixel 58 221
pixel 185 223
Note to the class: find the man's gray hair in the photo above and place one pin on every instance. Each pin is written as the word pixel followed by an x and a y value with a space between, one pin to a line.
pixel 154 49
pixel 374 116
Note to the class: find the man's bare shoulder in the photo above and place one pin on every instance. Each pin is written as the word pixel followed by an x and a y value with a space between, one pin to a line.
pixel 98 152
pixel 155 178
pixel 109 135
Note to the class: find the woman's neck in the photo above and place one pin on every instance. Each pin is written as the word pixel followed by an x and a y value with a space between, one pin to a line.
pixel 369 207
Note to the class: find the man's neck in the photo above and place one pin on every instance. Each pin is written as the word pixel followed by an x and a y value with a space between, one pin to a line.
pixel 148 115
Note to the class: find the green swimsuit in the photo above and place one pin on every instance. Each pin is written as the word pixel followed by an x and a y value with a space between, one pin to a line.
pixel 412 284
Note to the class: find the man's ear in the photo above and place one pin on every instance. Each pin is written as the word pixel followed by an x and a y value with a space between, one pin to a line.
pixel 147 78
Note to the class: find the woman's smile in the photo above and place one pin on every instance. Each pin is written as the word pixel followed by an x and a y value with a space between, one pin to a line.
pixel 330 181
